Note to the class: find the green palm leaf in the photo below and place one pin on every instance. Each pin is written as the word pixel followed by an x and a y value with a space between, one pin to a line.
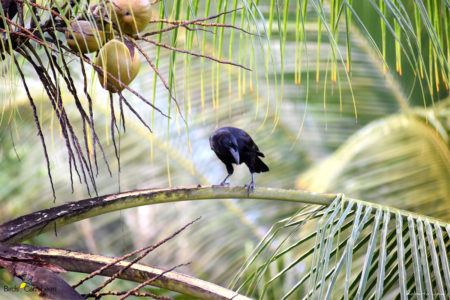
pixel 335 252
pixel 382 161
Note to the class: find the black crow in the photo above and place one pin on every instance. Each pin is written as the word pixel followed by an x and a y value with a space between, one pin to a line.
pixel 234 146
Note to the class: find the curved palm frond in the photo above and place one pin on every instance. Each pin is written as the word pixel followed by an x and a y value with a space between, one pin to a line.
pixel 350 249
pixel 381 163
pixel 319 252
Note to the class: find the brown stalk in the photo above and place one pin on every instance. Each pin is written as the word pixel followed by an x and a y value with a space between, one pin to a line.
pixel 91 118
pixel 190 22
pixel 225 62
pixel 99 68
pixel 159 75
pixel 57 107
pixel 29 35
pixel 130 292
pixel 145 250
pixel 54 12
pixel 38 125
pixel 184 23
pixel 122 98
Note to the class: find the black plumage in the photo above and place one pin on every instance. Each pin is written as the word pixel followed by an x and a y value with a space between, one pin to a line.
pixel 234 146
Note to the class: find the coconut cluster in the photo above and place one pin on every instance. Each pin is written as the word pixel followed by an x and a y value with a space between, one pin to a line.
pixel 117 56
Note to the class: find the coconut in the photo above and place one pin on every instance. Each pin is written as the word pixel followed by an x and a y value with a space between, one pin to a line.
pixel 84 36
pixel 131 16
pixel 121 60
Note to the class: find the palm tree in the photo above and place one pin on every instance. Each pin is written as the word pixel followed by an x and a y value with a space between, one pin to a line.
pixel 343 97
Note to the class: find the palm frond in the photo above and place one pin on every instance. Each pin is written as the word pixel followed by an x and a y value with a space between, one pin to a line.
pixel 417 30
pixel 350 249
pixel 381 163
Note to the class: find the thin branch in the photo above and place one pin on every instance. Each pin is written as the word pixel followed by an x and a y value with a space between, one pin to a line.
pixel 198 29
pixel 184 23
pixel 151 248
pixel 190 22
pixel 133 111
pixel 57 107
pixel 112 125
pixel 122 115
pixel 54 12
pixel 38 125
pixel 194 53
pixel 130 292
pixel 74 261
pixel 30 36
pixel 13 143
pixel 225 26
pixel 141 256
pixel 84 167
pixel 100 69
pixel 91 118
pixel 84 119
pixel 159 75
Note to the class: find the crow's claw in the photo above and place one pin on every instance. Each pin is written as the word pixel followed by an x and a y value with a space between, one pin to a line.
pixel 251 187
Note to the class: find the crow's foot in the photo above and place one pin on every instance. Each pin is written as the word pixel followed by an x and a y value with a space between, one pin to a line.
pixel 251 187
pixel 222 184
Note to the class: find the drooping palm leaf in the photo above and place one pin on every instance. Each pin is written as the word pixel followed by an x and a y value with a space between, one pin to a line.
pixel 382 163
pixel 350 249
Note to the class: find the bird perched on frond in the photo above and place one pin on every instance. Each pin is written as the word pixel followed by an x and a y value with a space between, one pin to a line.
pixel 234 146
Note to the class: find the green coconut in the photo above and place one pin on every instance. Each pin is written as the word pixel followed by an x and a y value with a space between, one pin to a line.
pixel 131 16
pixel 121 60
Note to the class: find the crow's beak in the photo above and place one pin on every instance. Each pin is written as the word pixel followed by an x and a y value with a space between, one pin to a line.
pixel 235 155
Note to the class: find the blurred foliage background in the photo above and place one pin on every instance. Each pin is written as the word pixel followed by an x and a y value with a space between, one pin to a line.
pixel 394 151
